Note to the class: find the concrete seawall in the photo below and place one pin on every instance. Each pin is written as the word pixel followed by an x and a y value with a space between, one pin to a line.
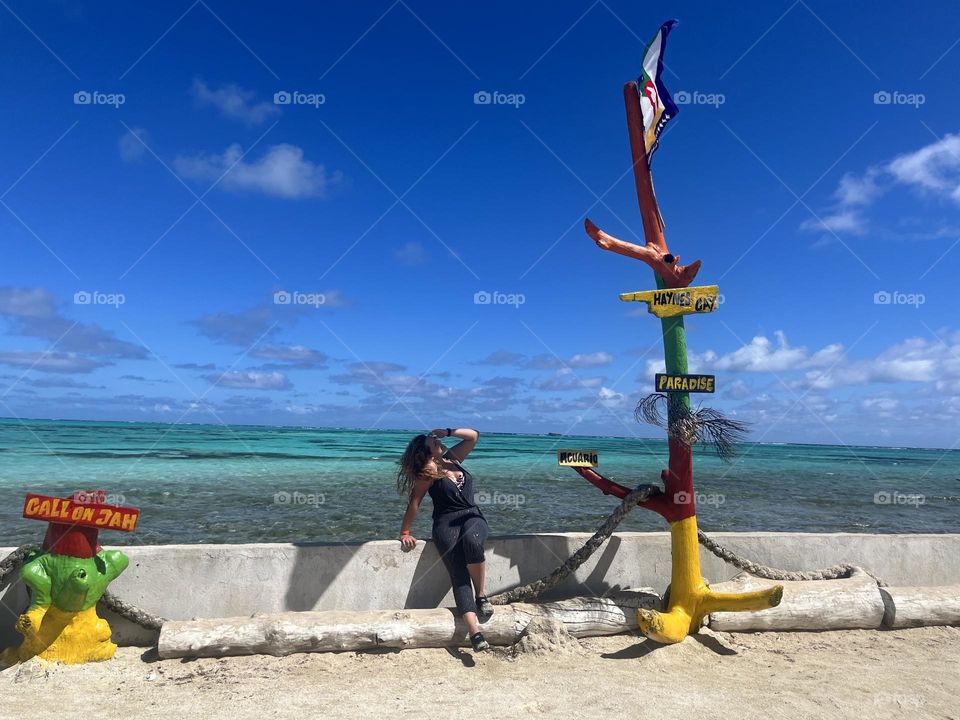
pixel 187 581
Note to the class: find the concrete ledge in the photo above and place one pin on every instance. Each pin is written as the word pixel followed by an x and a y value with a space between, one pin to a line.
pixel 187 581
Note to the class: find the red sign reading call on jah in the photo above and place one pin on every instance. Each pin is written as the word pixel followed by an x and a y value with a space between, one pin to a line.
pixel 77 511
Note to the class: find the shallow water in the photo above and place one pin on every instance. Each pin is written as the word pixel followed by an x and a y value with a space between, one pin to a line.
pixel 211 483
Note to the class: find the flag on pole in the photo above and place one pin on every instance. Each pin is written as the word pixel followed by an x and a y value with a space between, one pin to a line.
pixel 655 101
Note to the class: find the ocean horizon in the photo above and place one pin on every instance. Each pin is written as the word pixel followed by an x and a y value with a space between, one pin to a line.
pixel 202 483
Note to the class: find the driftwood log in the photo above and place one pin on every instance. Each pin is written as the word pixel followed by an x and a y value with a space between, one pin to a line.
pixel 921 606
pixel 336 630
pixel 842 604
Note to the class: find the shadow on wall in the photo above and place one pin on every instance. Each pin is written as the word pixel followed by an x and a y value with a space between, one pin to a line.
pixel 554 552
pixel 313 573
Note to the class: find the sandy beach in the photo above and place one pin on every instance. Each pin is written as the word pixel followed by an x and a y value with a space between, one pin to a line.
pixel 856 673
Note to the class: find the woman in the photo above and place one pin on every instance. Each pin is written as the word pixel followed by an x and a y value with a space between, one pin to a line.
pixel 459 528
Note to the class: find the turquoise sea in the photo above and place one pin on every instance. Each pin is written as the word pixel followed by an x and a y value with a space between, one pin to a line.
pixel 213 483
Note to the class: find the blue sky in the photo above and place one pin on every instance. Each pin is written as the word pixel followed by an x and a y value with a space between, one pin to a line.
pixel 815 165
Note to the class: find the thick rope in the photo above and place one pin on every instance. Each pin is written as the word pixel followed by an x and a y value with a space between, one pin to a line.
pixel 639 495
pixel 15 560
pixel 831 573
pixel 131 612
pixel 534 589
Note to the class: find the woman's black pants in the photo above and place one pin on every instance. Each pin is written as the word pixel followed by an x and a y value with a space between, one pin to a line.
pixel 459 537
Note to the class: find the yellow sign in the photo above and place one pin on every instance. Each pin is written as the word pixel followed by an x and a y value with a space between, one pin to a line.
pixel 671 302
pixel 69 511
pixel 578 458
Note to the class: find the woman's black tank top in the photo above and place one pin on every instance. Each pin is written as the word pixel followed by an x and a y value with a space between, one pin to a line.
pixel 448 498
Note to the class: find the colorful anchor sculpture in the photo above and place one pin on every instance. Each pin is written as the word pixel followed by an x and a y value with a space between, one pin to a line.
pixel 690 599
pixel 67 577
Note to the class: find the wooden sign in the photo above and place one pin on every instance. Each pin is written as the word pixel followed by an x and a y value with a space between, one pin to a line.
pixel 671 302
pixel 87 514
pixel 578 458
pixel 684 383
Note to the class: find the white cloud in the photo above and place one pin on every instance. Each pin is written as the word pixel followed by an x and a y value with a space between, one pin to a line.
pixel 848 221
pixel 296 355
pixel 859 190
pixel 282 172
pixel 234 102
pixel 26 302
pixel 762 356
pixel 934 168
pixel 565 380
pixel 594 359
pixel 60 362
pixel 611 398
pixel 915 360
pixel 250 380
pixel 412 253
pixel 133 145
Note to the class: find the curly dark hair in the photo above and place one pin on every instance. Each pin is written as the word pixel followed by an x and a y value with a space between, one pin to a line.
pixel 412 465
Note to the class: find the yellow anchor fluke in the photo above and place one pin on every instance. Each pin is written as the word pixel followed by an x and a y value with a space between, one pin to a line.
pixel 671 302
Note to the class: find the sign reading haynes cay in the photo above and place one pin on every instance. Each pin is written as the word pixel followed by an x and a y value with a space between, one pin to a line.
pixel 685 383
pixel 671 302
pixel 69 511
pixel 578 458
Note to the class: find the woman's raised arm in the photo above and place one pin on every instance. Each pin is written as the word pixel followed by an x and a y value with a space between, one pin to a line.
pixel 468 441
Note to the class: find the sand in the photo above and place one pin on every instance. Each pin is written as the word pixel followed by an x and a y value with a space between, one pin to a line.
pixel 848 674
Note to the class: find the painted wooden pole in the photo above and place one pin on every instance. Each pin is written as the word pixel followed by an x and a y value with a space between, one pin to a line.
pixel 690 598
